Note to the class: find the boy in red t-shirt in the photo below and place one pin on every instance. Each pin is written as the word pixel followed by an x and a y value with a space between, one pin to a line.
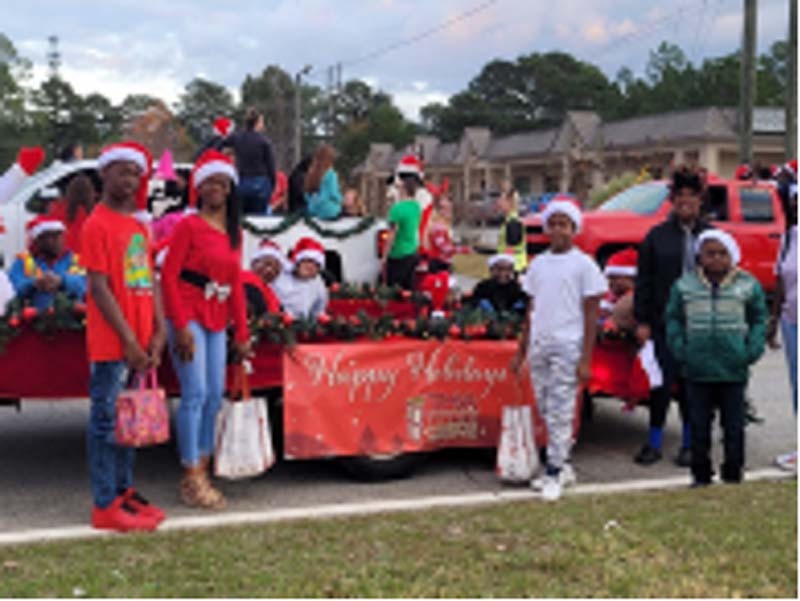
pixel 125 330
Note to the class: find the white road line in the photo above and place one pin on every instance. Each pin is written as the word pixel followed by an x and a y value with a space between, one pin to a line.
pixel 367 507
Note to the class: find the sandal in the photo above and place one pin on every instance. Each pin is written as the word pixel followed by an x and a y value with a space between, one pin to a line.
pixel 196 490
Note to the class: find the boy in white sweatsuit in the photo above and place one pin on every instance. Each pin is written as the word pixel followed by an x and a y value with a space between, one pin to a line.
pixel 565 286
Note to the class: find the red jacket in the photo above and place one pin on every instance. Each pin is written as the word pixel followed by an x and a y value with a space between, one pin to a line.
pixel 270 299
pixel 197 246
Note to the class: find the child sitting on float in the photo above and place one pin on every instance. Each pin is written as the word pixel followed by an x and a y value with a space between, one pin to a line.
pixel 501 292
pixel 616 307
pixel 301 289
pixel 266 265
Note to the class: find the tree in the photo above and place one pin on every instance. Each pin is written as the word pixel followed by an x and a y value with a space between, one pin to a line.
pixel 201 102
pixel 134 105
pixel 158 129
pixel 17 125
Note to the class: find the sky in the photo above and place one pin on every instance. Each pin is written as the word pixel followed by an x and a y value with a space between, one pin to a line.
pixel 119 47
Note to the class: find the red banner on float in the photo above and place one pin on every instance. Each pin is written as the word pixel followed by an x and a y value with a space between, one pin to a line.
pixel 373 398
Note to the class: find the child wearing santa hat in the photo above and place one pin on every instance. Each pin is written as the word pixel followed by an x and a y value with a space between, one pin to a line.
pixel 203 295
pixel 266 265
pixel 565 287
pixel 125 330
pixel 616 307
pixel 716 328
pixel 501 292
pixel 47 268
pixel 301 289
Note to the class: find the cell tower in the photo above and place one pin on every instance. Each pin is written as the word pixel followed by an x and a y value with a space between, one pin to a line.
pixel 53 56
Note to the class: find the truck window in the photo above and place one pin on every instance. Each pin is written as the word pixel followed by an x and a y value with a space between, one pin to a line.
pixel 715 204
pixel 643 199
pixel 756 205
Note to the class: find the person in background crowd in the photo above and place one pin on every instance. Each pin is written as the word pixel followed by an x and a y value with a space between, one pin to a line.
pixel 564 286
pixel 221 129
pixel 512 232
pixel 203 294
pixel 666 253
pixel 400 262
pixel 266 265
pixel 743 172
pixel 438 246
pixel 321 186
pixel 616 307
pixel 297 179
pixel 352 205
pixel 716 324
pixel 74 209
pixel 71 152
pixel 125 330
pixel 301 289
pixel 279 202
pixel 501 292
pixel 410 165
pixel 784 304
pixel 47 268
pixel 255 164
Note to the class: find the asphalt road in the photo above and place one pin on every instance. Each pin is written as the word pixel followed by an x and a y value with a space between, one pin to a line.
pixel 44 482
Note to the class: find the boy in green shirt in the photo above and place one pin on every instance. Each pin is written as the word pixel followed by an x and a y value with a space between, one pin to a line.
pixel 403 243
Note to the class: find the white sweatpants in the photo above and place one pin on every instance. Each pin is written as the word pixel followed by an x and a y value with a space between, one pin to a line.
pixel 553 368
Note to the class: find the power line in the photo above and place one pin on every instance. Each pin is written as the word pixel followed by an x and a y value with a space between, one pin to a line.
pixel 420 36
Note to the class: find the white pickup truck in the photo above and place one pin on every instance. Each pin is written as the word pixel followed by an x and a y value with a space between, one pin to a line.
pixel 351 258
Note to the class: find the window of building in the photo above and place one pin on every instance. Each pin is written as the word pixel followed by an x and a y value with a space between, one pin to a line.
pixel 756 205
pixel 522 185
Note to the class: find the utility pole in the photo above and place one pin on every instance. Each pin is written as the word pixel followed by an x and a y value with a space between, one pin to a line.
pixel 53 57
pixel 748 82
pixel 791 85
pixel 298 115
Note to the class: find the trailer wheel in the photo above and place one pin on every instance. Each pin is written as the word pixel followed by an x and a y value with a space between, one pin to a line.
pixel 375 468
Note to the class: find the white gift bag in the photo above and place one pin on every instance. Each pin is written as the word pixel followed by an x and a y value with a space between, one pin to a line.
pixel 517 455
pixel 243 444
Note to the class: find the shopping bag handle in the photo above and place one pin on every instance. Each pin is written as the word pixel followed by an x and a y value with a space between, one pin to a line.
pixel 146 379
pixel 241 382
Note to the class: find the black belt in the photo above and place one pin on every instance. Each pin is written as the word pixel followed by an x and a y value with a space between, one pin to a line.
pixel 210 287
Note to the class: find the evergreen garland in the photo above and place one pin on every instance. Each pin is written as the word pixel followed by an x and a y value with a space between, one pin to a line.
pixel 291 220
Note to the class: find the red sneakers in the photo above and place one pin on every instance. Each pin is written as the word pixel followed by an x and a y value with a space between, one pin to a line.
pixel 142 506
pixel 121 516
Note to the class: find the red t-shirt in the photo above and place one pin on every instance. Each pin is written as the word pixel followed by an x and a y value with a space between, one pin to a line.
pixel 197 246
pixel 72 237
pixel 117 245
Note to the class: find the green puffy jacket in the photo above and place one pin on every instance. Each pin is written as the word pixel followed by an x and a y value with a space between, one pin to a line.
pixel 716 332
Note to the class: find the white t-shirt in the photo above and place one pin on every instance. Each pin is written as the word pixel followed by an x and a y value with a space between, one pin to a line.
pixel 787 269
pixel 301 298
pixel 558 284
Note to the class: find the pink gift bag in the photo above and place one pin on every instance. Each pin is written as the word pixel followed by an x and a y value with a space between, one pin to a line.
pixel 142 414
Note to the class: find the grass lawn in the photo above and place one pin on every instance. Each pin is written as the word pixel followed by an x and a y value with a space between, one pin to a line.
pixel 473 265
pixel 722 541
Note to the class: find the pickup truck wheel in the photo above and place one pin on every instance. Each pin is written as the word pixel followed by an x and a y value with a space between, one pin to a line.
pixel 375 468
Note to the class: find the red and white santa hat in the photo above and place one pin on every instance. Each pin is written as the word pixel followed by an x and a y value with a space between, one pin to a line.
pixel 269 248
pixel 308 249
pixel 43 225
pixel 791 168
pixel 499 258
pixel 135 153
pixel 410 165
pixel 223 126
pixel 622 263
pixel 724 238
pixel 563 206
pixel 743 172
pixel 210 163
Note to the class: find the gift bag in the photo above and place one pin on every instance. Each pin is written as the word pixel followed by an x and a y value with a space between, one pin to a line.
pixel 517 455
pixel 243 445
pixel 142 414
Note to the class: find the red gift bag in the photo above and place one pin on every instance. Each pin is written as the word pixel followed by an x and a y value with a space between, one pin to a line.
pixel 142 414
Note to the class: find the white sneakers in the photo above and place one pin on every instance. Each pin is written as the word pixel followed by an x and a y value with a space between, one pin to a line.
pixel 552 486
pixel 787 461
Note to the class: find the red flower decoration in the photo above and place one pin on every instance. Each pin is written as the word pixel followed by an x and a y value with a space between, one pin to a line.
pixel 454 331
pixel 354 320
pixel 287 319
pixel 411 324
pixel 29 313
pixel 79 308
pixel 335 287
pixel 324 319
pixel 479 330
pixel 405 294
pixel 14 322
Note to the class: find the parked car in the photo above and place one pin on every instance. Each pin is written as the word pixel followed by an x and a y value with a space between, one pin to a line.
pixel 750 211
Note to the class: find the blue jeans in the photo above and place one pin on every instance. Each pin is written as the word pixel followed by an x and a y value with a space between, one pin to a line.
pixel 254 194
pixel 202 384
pixel 789 334
pixel 110 465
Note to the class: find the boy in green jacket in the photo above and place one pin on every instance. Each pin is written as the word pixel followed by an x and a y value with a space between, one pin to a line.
pixel 716 329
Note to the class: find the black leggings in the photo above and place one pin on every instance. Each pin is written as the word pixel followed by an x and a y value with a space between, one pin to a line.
pixel 401 271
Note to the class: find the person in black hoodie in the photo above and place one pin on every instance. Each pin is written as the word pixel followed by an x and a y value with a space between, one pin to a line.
pixel 666 253
pixel 255 164
pixel 500 293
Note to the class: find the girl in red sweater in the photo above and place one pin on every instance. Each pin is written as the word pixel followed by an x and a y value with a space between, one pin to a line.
pixel 203 294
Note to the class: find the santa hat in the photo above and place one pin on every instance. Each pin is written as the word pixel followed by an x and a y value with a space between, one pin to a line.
pixel 308 248
pixel 622 263
pixel 211 162
pixel 723 238
pixel 43 225
pixel 501 258
pixel 28 161
pixel 565 206
pixel 135 153
pixel 791 168
pixel 223 126
pixel 743 172
pixel 268 248
pixel 410 165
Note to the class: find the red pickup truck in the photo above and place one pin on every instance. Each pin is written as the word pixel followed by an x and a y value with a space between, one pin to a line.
pixel 750 211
